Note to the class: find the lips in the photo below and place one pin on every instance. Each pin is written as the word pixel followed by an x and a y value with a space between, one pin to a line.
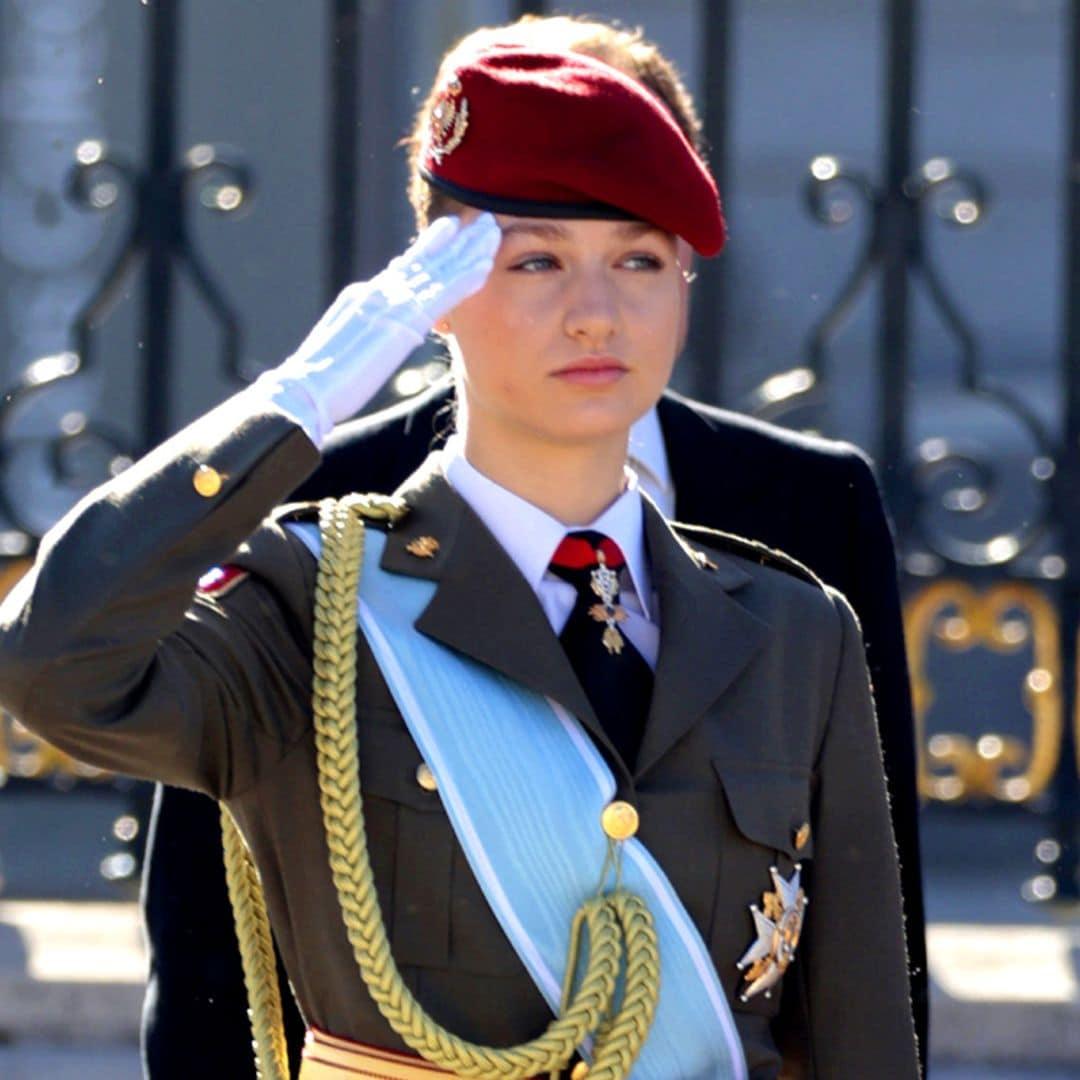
pixel 592 371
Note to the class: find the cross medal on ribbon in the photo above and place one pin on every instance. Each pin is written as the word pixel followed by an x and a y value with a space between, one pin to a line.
pixel 605 583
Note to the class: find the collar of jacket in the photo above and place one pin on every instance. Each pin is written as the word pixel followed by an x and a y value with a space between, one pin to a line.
pixel 484 608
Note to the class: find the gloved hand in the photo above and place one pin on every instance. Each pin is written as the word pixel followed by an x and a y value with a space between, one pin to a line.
pixel 373 325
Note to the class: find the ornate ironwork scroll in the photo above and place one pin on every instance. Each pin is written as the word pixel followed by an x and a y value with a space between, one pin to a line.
pixel 1005 618
pixel 56 445
pixel 55 442
pixel 963 506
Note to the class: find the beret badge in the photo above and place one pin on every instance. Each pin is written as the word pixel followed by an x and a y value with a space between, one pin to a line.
pixel 449 122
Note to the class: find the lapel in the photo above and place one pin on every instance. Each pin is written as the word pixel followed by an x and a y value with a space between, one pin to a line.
pixel 707 637
pixel 482 606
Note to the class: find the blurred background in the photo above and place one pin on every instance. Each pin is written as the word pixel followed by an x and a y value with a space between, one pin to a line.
pixel 184 184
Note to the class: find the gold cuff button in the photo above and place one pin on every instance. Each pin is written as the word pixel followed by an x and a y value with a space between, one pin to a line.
pixel 619 820
pixel 425 777
pixel 207 481
pixel 579 1071
pixel 802 835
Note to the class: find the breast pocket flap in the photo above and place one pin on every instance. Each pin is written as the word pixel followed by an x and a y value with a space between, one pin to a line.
pixel 770 804
pixel 391 767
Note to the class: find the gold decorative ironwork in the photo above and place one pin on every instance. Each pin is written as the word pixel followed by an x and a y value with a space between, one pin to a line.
pixel 24 756
pixel 1004 618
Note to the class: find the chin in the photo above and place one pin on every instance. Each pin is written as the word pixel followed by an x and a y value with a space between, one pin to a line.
pixel 597 426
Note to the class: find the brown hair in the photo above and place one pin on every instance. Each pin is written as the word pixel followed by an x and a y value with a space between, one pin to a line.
pixel 626 50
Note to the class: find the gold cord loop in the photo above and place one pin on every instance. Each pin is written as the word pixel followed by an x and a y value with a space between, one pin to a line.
pixel 256 954
pixel 618 924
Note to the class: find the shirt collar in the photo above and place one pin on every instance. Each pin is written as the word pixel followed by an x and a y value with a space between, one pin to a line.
pixel 530 536
pixel 648 457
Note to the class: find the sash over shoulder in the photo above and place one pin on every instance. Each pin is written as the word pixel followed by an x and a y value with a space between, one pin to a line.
pixel 537 849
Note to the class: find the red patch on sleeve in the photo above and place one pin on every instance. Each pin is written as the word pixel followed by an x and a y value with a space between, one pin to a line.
pixel 219 580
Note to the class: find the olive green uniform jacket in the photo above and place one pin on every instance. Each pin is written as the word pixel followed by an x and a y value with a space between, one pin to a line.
pixel 760 722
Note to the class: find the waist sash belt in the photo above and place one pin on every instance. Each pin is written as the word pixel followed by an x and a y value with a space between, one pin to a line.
pixel 537 848
pixel 326 1057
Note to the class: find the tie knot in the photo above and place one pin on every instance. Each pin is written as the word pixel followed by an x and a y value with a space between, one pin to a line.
pixel 585 549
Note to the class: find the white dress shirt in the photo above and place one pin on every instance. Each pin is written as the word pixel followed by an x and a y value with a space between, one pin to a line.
pixel 648 458
pixel 530 536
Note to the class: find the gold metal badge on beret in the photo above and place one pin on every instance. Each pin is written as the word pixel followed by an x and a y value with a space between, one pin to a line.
pixel 778 923
pixel 449 121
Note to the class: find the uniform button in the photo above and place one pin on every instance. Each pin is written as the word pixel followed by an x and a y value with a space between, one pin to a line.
pixel 619 820
pixel 207 481
pixel 579 1071
pixel 802 835
pixel 425 777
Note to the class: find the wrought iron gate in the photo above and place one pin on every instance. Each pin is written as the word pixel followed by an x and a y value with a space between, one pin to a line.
pixel 1011 590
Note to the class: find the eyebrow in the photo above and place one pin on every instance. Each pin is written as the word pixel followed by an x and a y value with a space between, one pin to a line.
pixel 639 228
pixel 553 231
pixel 543 229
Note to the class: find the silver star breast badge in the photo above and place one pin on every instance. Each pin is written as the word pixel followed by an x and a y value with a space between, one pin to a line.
pixel 778 923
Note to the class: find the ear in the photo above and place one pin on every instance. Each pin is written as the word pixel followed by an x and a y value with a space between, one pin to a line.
pixel 685 255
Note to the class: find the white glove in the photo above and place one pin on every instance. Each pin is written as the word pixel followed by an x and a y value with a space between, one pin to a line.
pixel 368 331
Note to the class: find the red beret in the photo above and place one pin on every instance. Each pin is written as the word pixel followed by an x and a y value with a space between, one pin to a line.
pixel 558 134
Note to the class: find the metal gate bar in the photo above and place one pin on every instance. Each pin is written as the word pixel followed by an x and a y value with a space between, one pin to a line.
pixel 1066 504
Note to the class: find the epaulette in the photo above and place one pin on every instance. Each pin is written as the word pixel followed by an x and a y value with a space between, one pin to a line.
pixel 297 511
pixel 744 548
pixel 377 511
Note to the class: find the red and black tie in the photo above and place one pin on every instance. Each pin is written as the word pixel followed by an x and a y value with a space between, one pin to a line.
pixel 614 675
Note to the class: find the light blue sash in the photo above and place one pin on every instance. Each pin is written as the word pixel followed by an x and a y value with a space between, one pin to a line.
pixel 524 788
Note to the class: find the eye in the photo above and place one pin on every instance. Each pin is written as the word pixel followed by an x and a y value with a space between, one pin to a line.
pixel 535 264
pixel 642 260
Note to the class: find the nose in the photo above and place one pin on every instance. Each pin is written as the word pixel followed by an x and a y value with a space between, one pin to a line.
pixel 592 310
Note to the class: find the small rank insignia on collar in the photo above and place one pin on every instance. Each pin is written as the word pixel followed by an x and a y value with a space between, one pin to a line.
pixel 220 580
pixel 778 923
pixel 703 560
pixel 423 547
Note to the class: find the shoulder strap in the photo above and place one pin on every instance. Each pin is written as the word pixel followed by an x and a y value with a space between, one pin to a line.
pixel 744 548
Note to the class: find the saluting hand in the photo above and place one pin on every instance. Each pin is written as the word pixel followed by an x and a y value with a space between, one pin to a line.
pixel 368 331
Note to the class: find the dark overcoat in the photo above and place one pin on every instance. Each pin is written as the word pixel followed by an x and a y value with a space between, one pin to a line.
pixel 761 724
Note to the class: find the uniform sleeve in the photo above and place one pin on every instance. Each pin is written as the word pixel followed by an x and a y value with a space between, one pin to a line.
pixel 853 967
pixel 103 651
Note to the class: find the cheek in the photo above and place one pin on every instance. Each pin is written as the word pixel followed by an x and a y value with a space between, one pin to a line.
pixel 473 322
pixel 506 317
pixel 483 328
pixel 661 316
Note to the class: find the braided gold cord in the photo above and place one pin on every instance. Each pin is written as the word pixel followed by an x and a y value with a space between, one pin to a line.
pixel 620 1040
pixel 608 919
pixel 256 954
